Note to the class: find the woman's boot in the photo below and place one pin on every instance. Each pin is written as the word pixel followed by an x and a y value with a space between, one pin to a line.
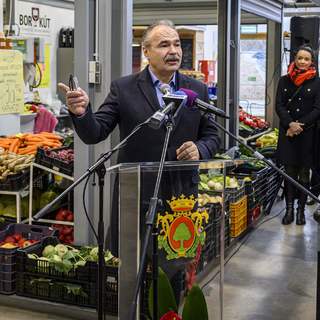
pixel 289 216
pixel 301 220
pixel 289 192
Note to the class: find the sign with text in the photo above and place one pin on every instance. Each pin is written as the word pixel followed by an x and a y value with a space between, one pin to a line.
pixel 33 19
pixel 11 82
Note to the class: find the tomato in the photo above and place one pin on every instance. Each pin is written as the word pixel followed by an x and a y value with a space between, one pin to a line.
pixel 9 239
pixel 63 214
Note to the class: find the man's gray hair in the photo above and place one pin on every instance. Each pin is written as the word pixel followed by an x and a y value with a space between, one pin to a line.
pixel 145 37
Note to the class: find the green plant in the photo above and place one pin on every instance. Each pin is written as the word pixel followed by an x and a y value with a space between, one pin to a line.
pixel 195 306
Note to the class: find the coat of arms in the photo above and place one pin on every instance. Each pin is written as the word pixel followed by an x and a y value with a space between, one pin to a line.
pixel 181 231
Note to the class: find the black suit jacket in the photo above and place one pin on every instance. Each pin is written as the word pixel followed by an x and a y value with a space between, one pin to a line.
pixel 132 99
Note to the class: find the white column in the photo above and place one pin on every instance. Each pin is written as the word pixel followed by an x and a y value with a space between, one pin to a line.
pixel 1 15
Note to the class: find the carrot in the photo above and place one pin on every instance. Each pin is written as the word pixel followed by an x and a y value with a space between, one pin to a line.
pixel 14 143
pixel 50 135
pixel 16 146
pixel 33 137
pixel 28 150
pixel 51 144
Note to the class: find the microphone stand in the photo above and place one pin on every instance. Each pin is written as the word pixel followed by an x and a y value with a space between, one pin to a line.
pixel 151 226
pixel 100 169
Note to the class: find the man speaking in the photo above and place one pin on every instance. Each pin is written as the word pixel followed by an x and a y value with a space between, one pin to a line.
pixel 133 99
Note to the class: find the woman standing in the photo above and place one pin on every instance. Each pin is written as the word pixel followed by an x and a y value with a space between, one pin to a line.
pixel 298 107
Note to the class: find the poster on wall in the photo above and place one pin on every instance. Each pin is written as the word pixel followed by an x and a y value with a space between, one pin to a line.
pixel 44 21
pixel 11 82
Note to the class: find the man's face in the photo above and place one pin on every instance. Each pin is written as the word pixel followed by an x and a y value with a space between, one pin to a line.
pixel 163 50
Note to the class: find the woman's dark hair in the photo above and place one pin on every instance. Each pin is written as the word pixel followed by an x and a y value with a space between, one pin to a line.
pixel 308 49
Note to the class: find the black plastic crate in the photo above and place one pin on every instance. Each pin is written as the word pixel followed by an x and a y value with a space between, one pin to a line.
pixel 59 165
pixel 63 167
pixel 16 182
pixel 8 258
pixel 7 287
pixel 7 267
pixel 42 158
pixel 50 289
pixel 7 276
pixel 29 232
pixel 43 268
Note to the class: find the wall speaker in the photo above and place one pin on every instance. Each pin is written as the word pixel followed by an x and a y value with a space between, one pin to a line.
pixel 304 31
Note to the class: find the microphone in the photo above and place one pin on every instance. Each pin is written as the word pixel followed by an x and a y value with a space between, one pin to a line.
pixel 174 102
pixel 203 106
pixel 165 88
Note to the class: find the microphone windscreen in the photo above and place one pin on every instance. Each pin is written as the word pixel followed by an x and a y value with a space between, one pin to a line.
pixel 165 88
pixel 192 96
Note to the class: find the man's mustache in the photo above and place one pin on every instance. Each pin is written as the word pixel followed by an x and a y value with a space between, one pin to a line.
pixel 172 58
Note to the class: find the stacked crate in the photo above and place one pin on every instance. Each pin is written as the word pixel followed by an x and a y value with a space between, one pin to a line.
pixel 238 217
pixel 41 280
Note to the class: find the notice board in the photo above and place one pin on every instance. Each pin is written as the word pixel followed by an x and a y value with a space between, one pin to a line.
pixel 11 82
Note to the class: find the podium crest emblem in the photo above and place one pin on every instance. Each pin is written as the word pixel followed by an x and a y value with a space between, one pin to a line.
pixel 181 231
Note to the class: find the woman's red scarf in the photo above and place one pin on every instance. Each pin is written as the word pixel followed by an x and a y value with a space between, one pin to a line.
pixel 299 76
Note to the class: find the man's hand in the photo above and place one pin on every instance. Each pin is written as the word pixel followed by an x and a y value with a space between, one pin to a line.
pixel 188 151
pixel 77 101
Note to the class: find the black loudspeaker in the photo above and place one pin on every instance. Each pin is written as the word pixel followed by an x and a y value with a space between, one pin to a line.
pixel 304 31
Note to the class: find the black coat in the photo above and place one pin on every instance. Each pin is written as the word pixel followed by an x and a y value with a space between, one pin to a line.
pixel 305 108
pixel 132 99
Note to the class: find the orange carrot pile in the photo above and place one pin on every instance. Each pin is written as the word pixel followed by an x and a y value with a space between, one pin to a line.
pixel 28 143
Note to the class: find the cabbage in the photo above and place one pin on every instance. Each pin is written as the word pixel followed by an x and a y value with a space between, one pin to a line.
pixel 48 251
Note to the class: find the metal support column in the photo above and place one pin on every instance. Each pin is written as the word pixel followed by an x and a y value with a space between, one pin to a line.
pixel 84 43
pixel 274 48
pixel 102 32
pixel 235 67
pixel 224 18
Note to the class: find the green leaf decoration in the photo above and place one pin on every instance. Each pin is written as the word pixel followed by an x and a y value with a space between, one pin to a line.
pixel 195 306
pixel 166 299
pixel 181 234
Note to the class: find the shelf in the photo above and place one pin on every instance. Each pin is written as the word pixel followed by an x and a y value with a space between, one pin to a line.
pixel 52 171
pixel 36 165
pixel 67 223
pixel 255 136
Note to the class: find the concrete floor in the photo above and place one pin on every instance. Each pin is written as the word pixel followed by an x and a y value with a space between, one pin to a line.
pixel 271 277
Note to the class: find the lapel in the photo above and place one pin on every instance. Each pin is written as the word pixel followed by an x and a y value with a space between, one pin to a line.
pixel 182 82
pixel 147 89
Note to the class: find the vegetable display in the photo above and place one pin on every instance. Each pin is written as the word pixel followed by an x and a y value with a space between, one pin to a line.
pixel 65 258
pixel 215 183
pixel 16 240
pixel 252 121
pixel 11 163
pixel 28 143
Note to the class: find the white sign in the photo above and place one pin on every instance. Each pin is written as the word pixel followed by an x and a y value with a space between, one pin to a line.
pixel 33 19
